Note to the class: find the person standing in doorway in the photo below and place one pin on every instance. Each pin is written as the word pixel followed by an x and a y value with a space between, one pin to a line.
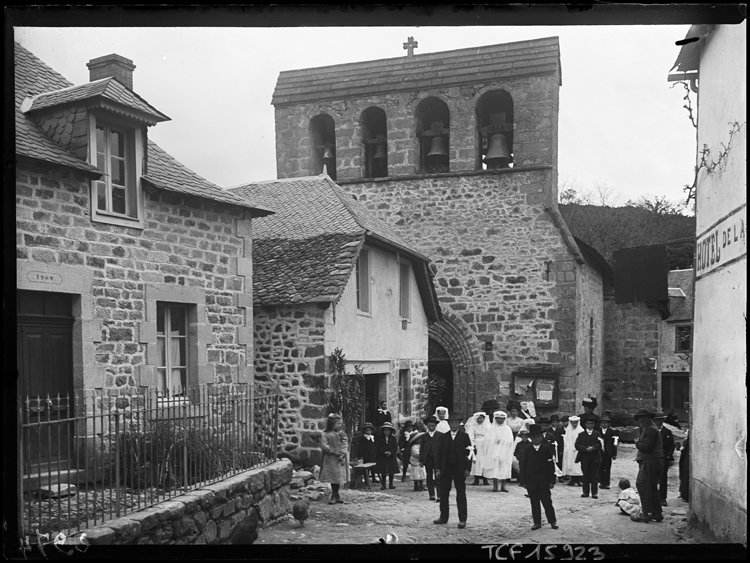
pixel 453 469
pixel 428 455
pixel 650 458
pixel 383 415
pixel 538 472
pixel 610 438
pixel 668 446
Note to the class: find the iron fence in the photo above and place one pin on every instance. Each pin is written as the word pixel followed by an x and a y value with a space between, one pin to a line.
pixel 98 455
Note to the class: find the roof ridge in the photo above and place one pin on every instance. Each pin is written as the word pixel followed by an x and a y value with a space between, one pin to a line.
pixel 50 92
pixel 191 171
pixel 266 182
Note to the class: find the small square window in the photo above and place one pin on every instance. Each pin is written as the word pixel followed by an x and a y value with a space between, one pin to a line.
pixel 683 338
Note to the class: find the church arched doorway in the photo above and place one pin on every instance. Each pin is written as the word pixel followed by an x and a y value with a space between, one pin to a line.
pixel 440 377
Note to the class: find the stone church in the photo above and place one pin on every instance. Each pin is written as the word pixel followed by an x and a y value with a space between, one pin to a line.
pixel 457 150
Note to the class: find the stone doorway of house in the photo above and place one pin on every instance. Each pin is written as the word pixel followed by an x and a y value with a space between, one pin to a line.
pixel 45 371
pixel 374 392
pixel 440 367
pixel 675 394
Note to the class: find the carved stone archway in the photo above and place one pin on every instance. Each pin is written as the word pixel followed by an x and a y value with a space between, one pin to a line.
pixel 454 339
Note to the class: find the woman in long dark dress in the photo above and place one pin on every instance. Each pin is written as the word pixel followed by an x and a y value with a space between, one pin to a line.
pixel 685 471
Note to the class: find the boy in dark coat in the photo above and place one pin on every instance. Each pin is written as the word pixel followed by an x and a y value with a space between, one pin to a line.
pixel 650 458
pixel 668 446
pixel 428 455
pixel 387 448
pixel 590 456
pixel 383 415
pixel 403 446
pixel 453 469
pixel 367 449
pixel 609 451
pixel 519 451
pixel 538 472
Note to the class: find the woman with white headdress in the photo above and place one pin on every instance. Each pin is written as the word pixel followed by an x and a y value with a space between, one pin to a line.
pixel 500 439
pixel 477 428
pixel 441 413
pixel 570 467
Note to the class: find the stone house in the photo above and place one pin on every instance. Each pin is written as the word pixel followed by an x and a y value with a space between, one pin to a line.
pixel 328 274
pixel 715 64
pixel 457 150
pixel 676 345
pixel 119 245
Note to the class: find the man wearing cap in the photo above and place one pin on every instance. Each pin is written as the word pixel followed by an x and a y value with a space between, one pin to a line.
pixel 454 454
pixel 428 455
pixel 538 473
pixel 610 438
pixel 668 446
pixel 650 464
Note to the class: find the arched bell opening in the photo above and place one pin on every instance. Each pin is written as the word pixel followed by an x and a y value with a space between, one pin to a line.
pixel 495 130
pixel 433 135
pixel 323 141
pixel 375 143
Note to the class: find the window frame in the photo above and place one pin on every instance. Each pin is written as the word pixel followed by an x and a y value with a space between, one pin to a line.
pixel 167 307
pixel 404 290
pixel 678 340
pixel 134 154
pixel 362 282
pixel 404 392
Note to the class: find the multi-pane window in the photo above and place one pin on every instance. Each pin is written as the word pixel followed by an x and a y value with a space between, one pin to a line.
pixel 363 281
pixel 683 338
pixel 404 391
pixel 404 297
pixel 171 343
pixel 115 191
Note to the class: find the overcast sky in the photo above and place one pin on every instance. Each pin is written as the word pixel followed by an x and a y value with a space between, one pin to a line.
pixel 620 122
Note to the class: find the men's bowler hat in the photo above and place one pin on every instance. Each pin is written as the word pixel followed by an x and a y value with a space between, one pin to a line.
pixel 455 416
pixel 643 412
pixel 554 418
pixel 659 415
pixel 535 429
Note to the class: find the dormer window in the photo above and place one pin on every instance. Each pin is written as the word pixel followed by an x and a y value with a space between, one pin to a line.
pixel 117 151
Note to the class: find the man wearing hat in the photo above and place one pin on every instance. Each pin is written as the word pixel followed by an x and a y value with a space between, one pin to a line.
pixel 610 438
pixel 589 404
pixel 668 446
pixel 428 455
pixel 650 465
pixel 454 459
pixel 538 474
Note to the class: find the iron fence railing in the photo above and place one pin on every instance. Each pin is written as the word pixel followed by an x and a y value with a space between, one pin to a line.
pixel 98 455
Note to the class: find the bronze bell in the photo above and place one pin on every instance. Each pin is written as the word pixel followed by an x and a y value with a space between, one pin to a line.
pixel 380 151
pixel 438 147
pixel 498 154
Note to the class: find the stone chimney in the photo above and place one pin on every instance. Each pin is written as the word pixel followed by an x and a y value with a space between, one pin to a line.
pixel 112 66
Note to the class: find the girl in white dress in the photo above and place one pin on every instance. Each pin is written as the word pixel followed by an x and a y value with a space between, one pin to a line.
pixel 500 439
pixel 477 427
pixel 570 467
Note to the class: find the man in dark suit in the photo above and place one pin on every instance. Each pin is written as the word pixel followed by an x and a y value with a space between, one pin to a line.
pixel 590 455
pixel 668 446
pixel 428 455
pixel 538 472
pixel 650 458
pixel 453 468
pixel 609 451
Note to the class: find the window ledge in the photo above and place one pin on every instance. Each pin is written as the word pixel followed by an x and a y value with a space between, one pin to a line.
pixel 363 314
pixel 122 221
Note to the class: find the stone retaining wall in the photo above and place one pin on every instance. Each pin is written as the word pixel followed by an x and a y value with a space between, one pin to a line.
pixel 204 516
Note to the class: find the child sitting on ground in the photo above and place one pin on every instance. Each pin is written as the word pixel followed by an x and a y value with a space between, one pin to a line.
pixel 629 502
pixel 417 472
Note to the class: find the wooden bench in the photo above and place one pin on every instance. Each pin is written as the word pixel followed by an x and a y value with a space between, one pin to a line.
pixel 361 469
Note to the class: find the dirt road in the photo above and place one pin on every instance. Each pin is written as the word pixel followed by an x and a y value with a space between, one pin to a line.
pixel 493 517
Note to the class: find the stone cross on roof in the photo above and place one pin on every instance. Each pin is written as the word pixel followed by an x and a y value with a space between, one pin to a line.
pixel 410 45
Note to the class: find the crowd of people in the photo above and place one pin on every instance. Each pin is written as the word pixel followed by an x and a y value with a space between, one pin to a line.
pixel 441 452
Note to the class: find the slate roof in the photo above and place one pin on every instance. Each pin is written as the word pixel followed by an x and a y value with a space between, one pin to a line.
pixel 108 88
pixel 307 251
pixel 681 308
pixel 34 78
pixel 434 70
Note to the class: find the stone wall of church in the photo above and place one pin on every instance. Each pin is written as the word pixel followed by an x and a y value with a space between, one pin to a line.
pixel 503 268
pixel 189 250
pixel 535 106
pixel 590 328
pixel 631 346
